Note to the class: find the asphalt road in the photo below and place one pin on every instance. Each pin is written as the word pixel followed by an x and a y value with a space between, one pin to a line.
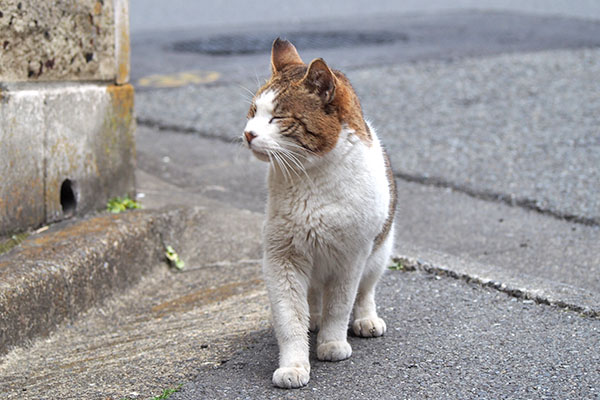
pixel 157 15
pixel 445 340
pixel 492 123
pixel 519 128
pixel 432 36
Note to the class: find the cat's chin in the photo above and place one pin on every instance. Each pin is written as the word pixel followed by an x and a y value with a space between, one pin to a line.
pixel 261 156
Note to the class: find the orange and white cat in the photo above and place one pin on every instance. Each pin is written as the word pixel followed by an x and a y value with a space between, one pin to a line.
pixel 329 228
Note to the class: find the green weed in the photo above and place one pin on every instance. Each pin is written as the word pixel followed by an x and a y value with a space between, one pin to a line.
pixel 173 258
pixel 163 396
pixel 119 204
pixel 401 265
pixel 167 393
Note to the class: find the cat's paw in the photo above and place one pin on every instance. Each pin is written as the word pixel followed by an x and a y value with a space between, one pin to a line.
pixel 315 322
pixel 369 327
pixel 291 377
pixel 334 351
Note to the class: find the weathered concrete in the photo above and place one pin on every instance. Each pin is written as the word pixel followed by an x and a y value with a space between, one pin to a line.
pixel 54 276
pixel 58 133
pixel 22 166
pixel 163 320
pixel 83 133
pixel 122 45
pixel 58 40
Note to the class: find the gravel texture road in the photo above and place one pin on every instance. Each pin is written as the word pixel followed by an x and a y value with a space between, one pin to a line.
pixel 446 340
pixel 523 128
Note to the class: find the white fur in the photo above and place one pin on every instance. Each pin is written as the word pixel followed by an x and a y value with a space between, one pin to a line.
pixel 319 239
pixel 261 124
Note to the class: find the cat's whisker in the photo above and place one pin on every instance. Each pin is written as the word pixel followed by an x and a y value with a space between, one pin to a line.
pixel 289 167
pixel 284 164
pixel 275 162
pixel 248 90
pixel 302 149
pixel 286 152
pixel 257 80
pixel 291 156
pixel 271 163
pixel 287 163
pixel 302 154
pixel 300 166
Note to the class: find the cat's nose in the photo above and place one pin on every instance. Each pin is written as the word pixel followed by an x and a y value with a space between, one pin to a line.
pixel 249 136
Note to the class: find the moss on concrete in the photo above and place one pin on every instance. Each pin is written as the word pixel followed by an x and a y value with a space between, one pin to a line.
pixel 13 241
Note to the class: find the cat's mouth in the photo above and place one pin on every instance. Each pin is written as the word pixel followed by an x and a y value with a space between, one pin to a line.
pixel 261 155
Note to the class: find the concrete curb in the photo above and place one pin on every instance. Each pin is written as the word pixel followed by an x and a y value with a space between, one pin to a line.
pixel 527 287
pixel 66 149
pixel 54 276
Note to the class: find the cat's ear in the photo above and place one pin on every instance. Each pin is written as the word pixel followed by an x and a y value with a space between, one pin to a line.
pixel 283 53
pixel 319 79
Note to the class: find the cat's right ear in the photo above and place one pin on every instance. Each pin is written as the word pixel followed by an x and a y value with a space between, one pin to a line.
pixel 283 53
pixel 320 79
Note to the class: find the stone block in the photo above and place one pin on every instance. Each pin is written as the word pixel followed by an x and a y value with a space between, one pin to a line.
pixel 65 150
pixel 64 40
pixel 21 160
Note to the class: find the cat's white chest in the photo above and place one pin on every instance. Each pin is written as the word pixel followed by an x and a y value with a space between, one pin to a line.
pixel 341 208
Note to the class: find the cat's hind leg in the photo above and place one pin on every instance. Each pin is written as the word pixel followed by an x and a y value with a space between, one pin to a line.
pixel 315 304
pixel 366 322
pixel 338 297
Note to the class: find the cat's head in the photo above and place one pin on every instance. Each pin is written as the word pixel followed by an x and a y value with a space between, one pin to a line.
pixel 301 109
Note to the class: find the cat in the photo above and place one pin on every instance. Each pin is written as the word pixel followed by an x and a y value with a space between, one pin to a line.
pixel 329 228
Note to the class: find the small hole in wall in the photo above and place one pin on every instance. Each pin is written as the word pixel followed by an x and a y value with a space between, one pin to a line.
pixel 68 201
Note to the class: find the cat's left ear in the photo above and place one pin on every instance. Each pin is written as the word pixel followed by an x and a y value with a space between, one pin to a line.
pixel 319 79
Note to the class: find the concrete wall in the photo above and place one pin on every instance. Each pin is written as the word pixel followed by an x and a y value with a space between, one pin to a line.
pixel 66 111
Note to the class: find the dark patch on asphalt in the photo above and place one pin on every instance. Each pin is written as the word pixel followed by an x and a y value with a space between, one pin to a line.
pixel 377 40
pixel 261 42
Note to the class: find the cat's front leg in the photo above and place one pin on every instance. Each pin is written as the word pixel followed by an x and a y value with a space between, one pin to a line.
pixel 287 284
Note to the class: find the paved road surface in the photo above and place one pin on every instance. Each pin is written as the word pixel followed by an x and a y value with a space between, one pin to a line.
pixel 492 125
pixel 153 15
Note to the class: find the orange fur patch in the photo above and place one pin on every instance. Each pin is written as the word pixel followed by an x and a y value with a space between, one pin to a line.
pixel 306 108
